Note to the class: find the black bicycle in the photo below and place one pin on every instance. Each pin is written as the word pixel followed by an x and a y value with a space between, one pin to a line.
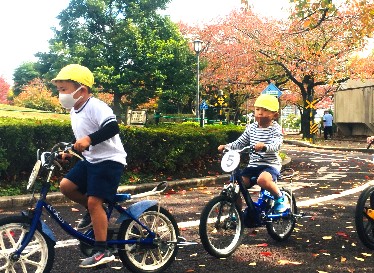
pixel 222 222
pixel 364 216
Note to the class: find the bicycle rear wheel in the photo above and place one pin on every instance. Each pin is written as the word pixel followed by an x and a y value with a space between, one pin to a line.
pixel 221 227
pixel 37 257
pixel 281 229
pixel 153 257
pixel 364 218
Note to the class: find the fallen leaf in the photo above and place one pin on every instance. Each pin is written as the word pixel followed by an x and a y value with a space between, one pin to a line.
pixel 342 234
pixel 264 244
pixel 359 259
pixel 265 253
pixel 252 264
pixel 189 270
pixel 286 262
pixel 74 210
pixel 366 254
pixel 327 237
pixel 343 259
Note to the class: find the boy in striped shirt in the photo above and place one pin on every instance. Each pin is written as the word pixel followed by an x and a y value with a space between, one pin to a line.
pixel 265 135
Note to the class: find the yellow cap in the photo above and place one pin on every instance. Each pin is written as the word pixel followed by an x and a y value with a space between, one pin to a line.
pixel 76 72
pixel 268 102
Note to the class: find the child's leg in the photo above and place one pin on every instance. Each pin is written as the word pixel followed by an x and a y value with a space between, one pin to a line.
pixel 265 181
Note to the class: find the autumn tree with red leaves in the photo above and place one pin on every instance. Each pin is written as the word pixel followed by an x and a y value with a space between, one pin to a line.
pixel 309 55
pixel 4 91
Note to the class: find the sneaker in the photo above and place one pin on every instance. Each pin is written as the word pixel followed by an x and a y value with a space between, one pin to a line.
pixel 100 257
pixel 281 204
pixel 85 222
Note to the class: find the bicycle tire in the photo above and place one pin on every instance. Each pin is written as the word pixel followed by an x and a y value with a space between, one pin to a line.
pixel 37 257
pixel 282 228
pixel 141 258
pixel 365 224
pixel 222 236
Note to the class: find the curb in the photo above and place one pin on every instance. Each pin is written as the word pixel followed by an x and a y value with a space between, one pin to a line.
pixel 346 149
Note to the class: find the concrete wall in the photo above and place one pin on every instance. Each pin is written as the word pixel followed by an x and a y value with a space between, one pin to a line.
pixel 354 108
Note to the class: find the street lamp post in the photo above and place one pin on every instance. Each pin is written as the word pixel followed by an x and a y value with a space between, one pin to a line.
pixel 197 44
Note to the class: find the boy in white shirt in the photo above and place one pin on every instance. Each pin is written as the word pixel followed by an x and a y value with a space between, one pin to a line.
pixel 96 179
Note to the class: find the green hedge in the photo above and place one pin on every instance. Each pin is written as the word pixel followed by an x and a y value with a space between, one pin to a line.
pixel 172 148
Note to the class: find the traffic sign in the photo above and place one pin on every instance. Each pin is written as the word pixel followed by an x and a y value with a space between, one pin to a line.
pixel 203 105
pixel 271 89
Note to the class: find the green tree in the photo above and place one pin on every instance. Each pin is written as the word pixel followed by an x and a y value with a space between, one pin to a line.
pixel 23 75
pixel 134 52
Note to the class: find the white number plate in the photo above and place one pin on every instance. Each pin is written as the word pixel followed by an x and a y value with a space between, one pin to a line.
pixel 230 161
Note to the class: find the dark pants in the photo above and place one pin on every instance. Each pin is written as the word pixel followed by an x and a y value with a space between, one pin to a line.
pixel 327 131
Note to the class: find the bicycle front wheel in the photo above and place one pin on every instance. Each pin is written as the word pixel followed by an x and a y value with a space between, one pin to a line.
pixel 37 257
pixel 153 257
pixel 364 217
pixel 221 227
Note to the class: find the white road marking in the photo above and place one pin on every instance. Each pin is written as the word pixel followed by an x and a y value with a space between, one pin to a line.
pixel 318 200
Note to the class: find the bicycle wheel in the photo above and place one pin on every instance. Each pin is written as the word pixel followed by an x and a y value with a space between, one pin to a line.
pixel 364 222
pixel 281 229
pixel 221 227
pixel 156 257
pixel 37 257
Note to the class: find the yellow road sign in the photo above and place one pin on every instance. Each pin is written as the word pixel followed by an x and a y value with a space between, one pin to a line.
pixel 310 104
pixel 314 128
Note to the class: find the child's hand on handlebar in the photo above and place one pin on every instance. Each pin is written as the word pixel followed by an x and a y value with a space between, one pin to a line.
pixel 82 144
pixel 260 147
pixel 64 157
pixel 221 148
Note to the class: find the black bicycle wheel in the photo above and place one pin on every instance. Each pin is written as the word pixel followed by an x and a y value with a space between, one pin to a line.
pixel 364 217
pixel 141 258
pixel 221 227
pixel 37 257
pixel 281 229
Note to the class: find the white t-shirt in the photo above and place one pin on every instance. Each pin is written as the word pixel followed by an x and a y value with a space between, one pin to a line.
pixel 89 118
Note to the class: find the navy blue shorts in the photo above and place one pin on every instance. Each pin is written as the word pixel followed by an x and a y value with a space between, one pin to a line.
pixel 99 179
pixel 254 172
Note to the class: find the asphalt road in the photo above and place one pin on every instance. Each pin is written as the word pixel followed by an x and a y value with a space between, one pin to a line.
pixel 326 189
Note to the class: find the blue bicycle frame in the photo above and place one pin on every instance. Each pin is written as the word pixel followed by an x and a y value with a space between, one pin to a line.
pixel 133 212
pixel 256 209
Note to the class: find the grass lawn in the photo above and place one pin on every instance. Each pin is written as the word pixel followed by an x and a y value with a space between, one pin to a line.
pixel 22 112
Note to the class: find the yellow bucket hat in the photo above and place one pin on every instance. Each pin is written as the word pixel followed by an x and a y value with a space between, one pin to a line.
pixel 268 102
pixel 76 72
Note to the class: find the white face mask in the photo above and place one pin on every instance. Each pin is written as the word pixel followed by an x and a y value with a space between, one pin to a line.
pixel 67 100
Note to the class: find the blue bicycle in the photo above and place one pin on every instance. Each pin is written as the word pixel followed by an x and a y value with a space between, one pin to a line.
pixel 222 222
pixel 146 241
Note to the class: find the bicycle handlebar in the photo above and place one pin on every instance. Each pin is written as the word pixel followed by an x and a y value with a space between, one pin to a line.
pixel 251 150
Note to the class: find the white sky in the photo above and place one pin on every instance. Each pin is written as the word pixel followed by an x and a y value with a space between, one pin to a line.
pixel 25 25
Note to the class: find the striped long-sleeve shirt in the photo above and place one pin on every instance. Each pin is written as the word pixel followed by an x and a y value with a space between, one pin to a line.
pixel 271 136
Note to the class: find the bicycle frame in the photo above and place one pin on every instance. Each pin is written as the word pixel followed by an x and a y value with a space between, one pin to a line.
pixel 42 203
pixel 255 208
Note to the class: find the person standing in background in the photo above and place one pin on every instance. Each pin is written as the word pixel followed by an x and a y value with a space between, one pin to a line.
pixel 327 124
